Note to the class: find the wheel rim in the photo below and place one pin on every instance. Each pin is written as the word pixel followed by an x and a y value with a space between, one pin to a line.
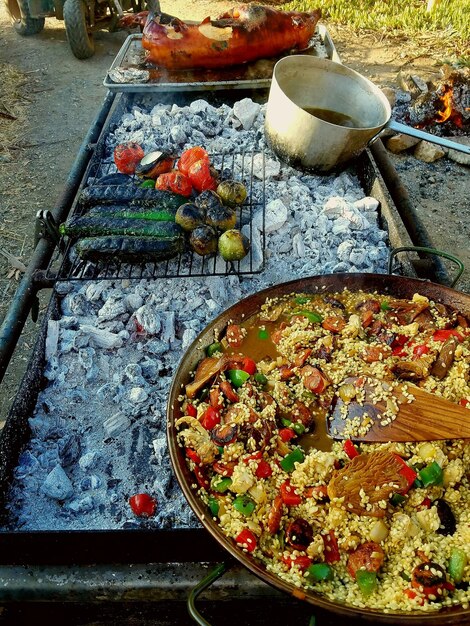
pixel 14 10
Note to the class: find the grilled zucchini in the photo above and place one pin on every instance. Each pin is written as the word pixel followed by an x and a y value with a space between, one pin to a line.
pixel 134 196
pixel 128 249
pixel 100 225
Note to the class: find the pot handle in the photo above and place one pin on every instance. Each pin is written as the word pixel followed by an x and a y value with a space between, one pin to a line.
pixel 211 577
pixel 419 134
pixel 445 255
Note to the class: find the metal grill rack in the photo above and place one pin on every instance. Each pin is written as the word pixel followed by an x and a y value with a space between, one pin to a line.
pixel 247 167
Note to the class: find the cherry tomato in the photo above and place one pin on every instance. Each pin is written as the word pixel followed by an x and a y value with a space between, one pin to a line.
pixel 201 176
pixel 191 156
pixel 175 182
pixel 127 156
pixel 143 505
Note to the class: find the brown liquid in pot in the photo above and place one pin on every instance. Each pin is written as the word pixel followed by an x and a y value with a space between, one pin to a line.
pixel 333 117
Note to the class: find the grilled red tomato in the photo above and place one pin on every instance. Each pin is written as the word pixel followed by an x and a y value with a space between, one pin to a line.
pixel 191 156
pixel 176 182
pixel 127 156
pixel 201 175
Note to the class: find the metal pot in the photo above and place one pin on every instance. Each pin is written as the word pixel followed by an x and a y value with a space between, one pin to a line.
pixel 303 139
pixel 398 286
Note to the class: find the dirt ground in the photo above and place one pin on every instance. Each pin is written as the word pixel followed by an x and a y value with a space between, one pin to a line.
pixel 55 97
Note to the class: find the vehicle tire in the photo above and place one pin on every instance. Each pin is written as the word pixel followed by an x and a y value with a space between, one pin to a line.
pixel 80 39
pixel 21 19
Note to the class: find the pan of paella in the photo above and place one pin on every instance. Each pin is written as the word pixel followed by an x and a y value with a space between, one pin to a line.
pixel 379 531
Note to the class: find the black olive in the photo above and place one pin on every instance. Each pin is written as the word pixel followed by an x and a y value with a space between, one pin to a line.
pixel 222 434
pixel 429 574
pixel 446 517
pixel 299 534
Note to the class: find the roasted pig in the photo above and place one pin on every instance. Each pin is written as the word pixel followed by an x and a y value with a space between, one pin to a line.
pixel 243 34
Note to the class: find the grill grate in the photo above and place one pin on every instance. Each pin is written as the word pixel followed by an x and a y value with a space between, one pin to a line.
pixel 247 167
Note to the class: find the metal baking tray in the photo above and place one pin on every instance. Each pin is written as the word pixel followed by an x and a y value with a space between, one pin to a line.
pixel 255 75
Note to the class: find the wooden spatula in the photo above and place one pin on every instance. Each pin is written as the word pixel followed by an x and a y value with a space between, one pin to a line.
pixel 425 418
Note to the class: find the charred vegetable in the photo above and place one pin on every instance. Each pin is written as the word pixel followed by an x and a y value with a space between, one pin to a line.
pixel 96 226
pixel 114 179
pixel 202 175
pixel 127 156
pixel 153 164
pixel 189 216
pixel 156 214
pixel 232 192
pixel 132 249
pixel 221 217
pixel 208 200
pixel 124 194
pixel 176 182
pixel 233 245
pixel 203 240
pixel 191 156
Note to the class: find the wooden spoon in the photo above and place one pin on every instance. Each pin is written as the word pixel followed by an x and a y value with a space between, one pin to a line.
pixel 427 417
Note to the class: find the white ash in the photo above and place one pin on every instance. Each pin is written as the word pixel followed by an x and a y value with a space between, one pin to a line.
pixel 98 430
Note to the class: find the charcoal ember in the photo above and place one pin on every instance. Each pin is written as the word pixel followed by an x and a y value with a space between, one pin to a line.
pixel 189 335
pixel 100 337
pixel 133 372
pixel 116 424
pixel 27 464
pixel 147 319
pixel 57 484
pixel 150 368
pixel 137 395
pixel 89 460
pixel 113 307
pixel 69 449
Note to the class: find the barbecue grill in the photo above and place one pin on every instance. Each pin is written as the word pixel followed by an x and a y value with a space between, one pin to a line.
pixel 113 565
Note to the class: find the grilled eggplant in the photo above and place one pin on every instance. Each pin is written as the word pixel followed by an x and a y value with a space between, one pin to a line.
pixel 128 249
pixel 141 213
pixel 125 194
pixel 96 226
pixel 113 179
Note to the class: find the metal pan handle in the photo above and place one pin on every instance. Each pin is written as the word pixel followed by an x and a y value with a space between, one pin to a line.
pixel 445 255
pixel 206 582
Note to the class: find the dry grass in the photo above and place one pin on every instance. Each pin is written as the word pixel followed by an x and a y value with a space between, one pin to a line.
pixel 13 105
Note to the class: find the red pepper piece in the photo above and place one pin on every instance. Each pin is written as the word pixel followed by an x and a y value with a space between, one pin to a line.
pixel 301 561
pixel 413 594
pixel 143 505
pixel 193 455
pixel 288 495
pixel 191 410
pixel 210 418
pixel 263 470
pixel 224 469
pixel 330 543
pixel 320 492
pixel 420 350
pixel 246 539
pixel 408 472
pixel 425 504
pixel 248 365
pixel 176 182
pixel 350 449
pixel 253 457
pixel 191 156
pixel 127 156
pixel 201 477
pixel 464 402
pixel 444 334
pixel 286 434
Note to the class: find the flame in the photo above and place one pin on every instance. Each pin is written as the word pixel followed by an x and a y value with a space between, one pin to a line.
pixel 446 112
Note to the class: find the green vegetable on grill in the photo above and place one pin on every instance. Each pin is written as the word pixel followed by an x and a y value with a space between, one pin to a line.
pixel 155 214
pixel 96 226
pixel 129 194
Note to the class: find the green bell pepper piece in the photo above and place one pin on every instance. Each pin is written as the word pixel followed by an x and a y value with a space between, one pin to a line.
pixel 396 499
pixel 260 378
pixel 289 461
pixel 237 377
pixel 312 316
pixel 147 184
pixel 302 299
pixel 298 428
pixel 221 483
pixel 367 582
pixel 244 505
pixel 431 474
pixel 213 348
pixel 457 564
pixel 384 306
pixel 319 571
pixel 263 334
pixel 213 505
